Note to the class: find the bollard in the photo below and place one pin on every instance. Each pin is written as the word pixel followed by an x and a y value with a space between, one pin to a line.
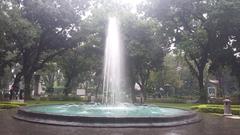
pixel 227 107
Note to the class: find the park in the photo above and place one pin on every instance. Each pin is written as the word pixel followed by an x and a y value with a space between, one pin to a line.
pixel 120 67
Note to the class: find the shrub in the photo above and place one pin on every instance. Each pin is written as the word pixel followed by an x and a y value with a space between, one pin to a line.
pixel 216 109
pixel 211 110
pixel 8 106
pixel 61 98
pixel 14 103
pixel 44 98
pixel 166 100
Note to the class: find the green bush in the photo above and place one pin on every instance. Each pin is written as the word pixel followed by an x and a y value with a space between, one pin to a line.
pixel 166 100
pixel 14 103
pixel 44 99
pixel 61 98
pixel 8 106
pixel 211 110
pixel 216 109
pixel 235 111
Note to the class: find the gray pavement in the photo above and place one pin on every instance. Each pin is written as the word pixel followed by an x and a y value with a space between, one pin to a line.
pixel 210 125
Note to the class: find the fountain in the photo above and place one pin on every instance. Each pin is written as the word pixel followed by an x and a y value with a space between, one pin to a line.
pixel 113 111
pixel 113 65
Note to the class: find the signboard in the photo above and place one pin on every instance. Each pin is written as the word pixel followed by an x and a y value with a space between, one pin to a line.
pixel 212 92
pixel 81 92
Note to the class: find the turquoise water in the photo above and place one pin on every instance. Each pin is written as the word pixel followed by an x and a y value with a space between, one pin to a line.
pixel 123 110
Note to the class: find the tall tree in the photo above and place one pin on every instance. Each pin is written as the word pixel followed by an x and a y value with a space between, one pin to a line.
pixel 226 20
pixel 145 50
pixel 192 26
pixel 14 32
pixel 56 22
pixel 77 64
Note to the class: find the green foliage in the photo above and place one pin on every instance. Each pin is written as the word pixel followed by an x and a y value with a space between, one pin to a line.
pixel 204 30
pixel 143 49
pixel 51 76
pixel 61 98
pixel 166 100
pixel 14 103
pixel 39 31
pixel 216 108
pixel 9 105
pixel 78 65
pixel 15 31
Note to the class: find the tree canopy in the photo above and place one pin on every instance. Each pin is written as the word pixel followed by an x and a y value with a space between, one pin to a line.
pixel 69 36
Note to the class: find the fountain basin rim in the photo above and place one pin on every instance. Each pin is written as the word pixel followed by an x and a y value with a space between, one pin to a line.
pixel 26 109
pixel 105 121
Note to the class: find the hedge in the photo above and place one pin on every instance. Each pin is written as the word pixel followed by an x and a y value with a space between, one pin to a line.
pixel 166 100
pixel 216 109
pixel 14 103
pixel 9 105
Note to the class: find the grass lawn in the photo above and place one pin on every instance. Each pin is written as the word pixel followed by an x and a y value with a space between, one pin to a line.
pixel 14 104
pixel 206 108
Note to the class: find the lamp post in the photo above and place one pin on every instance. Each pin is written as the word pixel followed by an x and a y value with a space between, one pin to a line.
pixel 227 107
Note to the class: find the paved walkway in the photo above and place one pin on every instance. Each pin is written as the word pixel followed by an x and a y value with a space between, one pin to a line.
pixel 210 125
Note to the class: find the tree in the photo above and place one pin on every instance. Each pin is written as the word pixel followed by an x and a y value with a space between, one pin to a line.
pixel 50 75
pixel 14 32
pixel 191 25
pixel 207 31
pixel 55 23
pixel 77 64
pixel 145 50
pixel 226 20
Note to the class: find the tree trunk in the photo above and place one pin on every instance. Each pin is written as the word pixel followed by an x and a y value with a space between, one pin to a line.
pixel 199 73
pixel 67 87
pixel 97 89
pixel 133 94
pixel 202 90
pixel 132 81
pixel 143 90
pixel 36 84
pixel 27 87
pixel 219 76
pixel 17 79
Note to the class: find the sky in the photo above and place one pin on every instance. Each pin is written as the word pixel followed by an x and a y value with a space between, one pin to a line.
pixel 132 2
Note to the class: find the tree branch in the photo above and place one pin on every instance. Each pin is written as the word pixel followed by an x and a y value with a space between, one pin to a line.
pixel 193 70
pixel 41 64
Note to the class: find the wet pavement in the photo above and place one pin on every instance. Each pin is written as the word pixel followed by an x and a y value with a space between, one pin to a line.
pixel 210 125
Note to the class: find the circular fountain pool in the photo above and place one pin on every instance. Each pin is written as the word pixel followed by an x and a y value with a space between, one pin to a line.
pixel 95 115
